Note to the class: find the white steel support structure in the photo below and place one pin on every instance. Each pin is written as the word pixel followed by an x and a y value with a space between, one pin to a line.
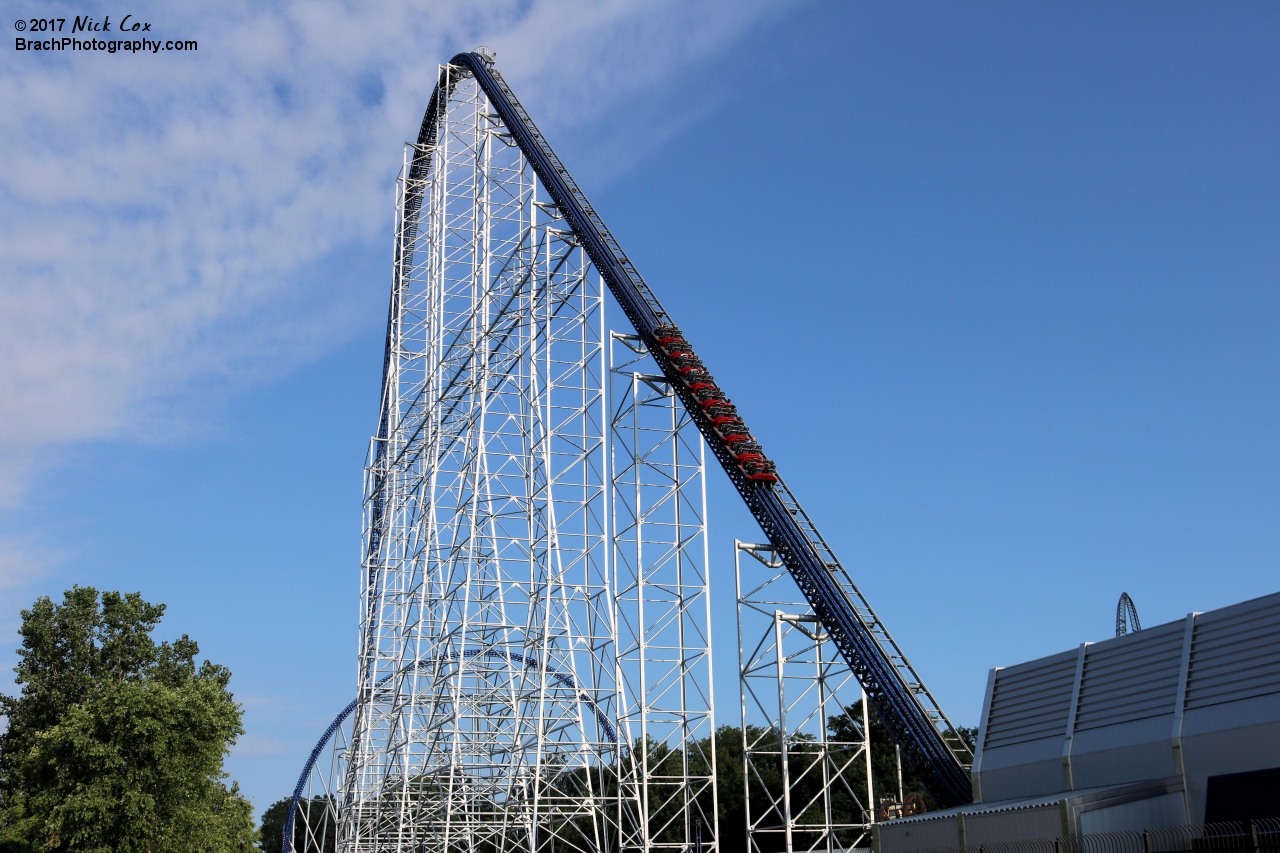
pixel 808 783
pixel 659 513
pixel 486 677
pixel 498 707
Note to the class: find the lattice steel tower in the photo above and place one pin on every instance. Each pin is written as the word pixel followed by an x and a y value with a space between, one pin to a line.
pixel 534 659
pixel 800 731
pixel 516 523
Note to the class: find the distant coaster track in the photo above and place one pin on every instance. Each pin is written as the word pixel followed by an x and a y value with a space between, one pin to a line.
pixel 915 720
pixel 291 816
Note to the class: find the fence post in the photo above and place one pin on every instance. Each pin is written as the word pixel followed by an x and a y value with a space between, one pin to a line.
pixel 1253 837
pixel 1146 841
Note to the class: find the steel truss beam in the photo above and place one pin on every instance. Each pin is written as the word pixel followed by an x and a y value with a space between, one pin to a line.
pixel 663 607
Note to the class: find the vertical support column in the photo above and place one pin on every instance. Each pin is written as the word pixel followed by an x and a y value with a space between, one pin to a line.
pixel 663 608
pixel 784 739
pixel 806 748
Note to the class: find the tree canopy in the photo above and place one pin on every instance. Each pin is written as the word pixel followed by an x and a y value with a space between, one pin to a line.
pixel 271 831
pixel 884 756
pixel 116 742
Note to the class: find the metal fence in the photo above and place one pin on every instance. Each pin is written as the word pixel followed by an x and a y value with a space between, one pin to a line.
pixel 1254 836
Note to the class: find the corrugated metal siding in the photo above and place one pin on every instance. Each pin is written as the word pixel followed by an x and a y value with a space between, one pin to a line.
pixel 1235 654
pixel 1131 679
pixel 1013 825
pixel 1031 702
pixel 916 835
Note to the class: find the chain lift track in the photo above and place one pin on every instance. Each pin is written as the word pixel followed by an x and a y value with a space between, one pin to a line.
pixel 929 741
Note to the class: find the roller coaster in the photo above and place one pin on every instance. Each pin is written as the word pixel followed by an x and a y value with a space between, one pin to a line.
pixel 916 722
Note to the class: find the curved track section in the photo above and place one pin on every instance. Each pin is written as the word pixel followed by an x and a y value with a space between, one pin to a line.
pixel 1126 616
pixel 915 720
pixel 299 790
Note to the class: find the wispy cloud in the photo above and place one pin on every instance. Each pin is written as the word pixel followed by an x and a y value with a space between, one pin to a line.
pixel 166 214
pixel 24 562
pixel 254 746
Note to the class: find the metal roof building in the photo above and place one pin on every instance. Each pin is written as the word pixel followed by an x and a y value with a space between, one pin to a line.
pixel 1176 724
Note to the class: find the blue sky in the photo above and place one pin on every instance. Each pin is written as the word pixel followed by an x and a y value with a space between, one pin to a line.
pixel 998 285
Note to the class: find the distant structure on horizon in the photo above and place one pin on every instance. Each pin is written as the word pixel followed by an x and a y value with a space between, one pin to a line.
pixel 1126 616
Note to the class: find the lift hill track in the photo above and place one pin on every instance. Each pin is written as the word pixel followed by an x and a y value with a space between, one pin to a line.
pixel 916 722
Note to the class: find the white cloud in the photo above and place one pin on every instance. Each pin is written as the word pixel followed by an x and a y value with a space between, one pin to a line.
pixel 254 746
pixel 165 214
pixel 22 563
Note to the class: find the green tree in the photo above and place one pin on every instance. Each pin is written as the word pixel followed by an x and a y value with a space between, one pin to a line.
pixel 884 759
pixel 116 743
pixel 314 829
pixel 766 778
pixel 271 830
pixel 665 763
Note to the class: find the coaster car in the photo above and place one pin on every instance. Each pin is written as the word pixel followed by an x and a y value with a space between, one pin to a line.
pixel 710 397
pixel 735 430
pixel 686 360
pixel 667 333
pixel 762 471
pixel 722 414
